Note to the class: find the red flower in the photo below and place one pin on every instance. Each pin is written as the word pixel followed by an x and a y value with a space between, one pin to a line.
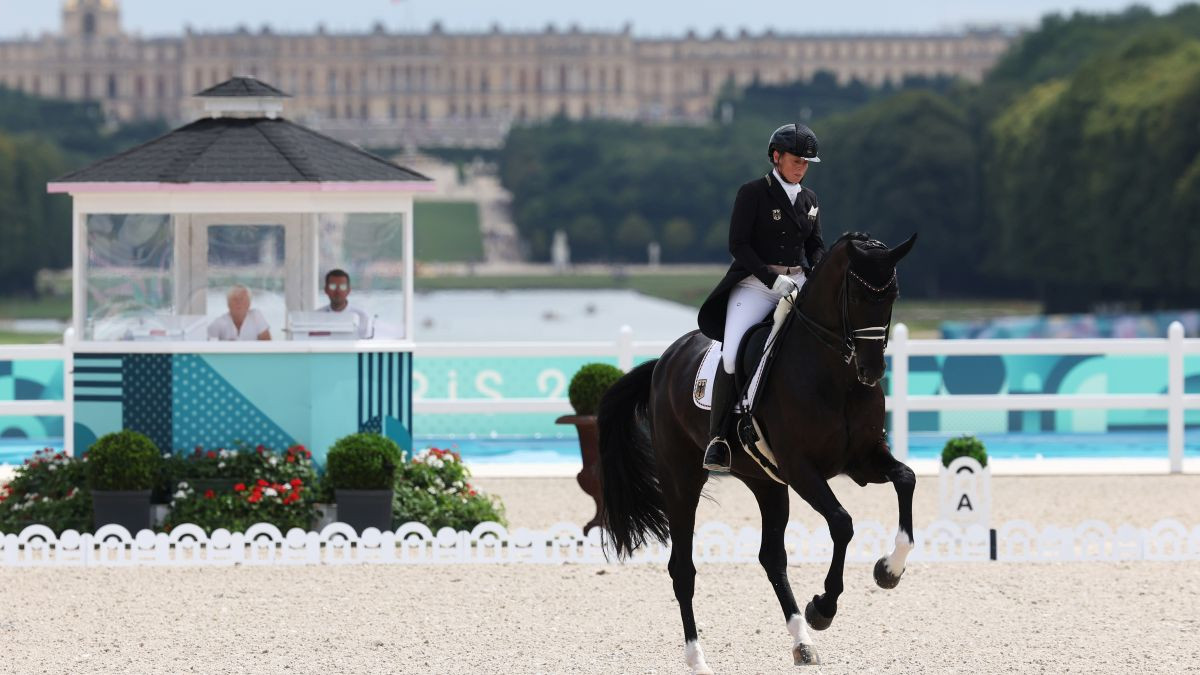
pixel 472 493
pixel 199 451
pixel 209 494
pixel 210 454
pixel 254 498
pixel 259 447
pixel 295 482
pixel 291 459
pixel 240 487
pixel 262 483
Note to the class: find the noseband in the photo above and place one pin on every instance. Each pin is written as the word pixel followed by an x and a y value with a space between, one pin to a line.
pixel 844 344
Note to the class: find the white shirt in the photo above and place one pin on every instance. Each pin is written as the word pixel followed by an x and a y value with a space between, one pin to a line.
pixel 253 325
pixel 364 320
pixel 792 189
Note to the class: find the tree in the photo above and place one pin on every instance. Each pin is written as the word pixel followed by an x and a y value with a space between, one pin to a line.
pixel 632 236
pixel 677 239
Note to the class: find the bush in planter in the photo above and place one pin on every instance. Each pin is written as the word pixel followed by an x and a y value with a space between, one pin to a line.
pixel 363 462
pixel 589 384
pixel 48 489
pixel 435 489
pixel 122 461
pixel 964 446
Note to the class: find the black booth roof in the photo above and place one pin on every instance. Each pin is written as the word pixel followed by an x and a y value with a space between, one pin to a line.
pixel 242 150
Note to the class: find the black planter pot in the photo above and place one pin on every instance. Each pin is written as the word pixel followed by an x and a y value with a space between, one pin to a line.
pixel 217 485
pixel 361 509
pixel 128 508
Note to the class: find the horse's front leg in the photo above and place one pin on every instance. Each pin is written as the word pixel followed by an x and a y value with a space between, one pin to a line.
pixel 811 487
pixel 773 507
pixel 889 568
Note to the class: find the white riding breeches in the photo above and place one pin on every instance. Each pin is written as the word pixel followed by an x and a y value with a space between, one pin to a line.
pixel 749 303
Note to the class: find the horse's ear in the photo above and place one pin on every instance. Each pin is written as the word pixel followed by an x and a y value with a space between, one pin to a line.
pixel 902 250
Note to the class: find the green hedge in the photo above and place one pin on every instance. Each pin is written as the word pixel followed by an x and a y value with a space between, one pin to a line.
pixel 964 446
pixel 362 462
pixel 122 460
pixel 589 384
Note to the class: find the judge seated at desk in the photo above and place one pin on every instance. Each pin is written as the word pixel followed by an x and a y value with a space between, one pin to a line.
pixel 337 288
pixel 240 322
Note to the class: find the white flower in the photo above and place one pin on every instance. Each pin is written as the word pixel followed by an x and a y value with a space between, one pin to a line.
pixel 52 467
pixel 270 492
pixel 180 495
pixel 45 499
pixel 183 485
pixel 274 460
pixel 287 486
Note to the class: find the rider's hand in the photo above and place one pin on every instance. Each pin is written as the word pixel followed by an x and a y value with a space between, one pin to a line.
pixel 783 285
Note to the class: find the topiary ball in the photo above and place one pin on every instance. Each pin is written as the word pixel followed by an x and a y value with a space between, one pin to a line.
pixel 122 460
pixel 362 462
pixel 589 384
pixel 964 446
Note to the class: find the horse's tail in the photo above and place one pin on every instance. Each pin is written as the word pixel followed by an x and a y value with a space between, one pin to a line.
pixel 633 501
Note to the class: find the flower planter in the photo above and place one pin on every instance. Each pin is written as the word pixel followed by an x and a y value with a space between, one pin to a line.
pixel 361 509
pixel 128 508
pixel 589 448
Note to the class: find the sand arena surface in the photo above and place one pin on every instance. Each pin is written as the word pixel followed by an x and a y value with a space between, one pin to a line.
pixel 944 617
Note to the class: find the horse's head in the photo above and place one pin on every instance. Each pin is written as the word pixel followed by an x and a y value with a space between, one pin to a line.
pixel 864 271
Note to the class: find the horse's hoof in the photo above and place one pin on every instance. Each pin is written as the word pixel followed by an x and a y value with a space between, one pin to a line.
pixel 883 577
pixel 815 618
pixel 805 655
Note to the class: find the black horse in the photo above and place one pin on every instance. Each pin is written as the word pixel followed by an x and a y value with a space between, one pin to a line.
pixel 821 412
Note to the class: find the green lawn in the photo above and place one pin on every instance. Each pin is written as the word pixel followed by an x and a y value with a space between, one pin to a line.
pixel 447 232
pixel 20 307
pixel 7 338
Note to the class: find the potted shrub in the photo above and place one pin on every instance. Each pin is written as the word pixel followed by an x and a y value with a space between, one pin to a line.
pixel 122 468
pixel 964 446
pixel 587 387
pixel 361 470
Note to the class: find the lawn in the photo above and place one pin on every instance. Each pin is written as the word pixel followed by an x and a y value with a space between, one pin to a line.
pixel 447 231
pixel 23 307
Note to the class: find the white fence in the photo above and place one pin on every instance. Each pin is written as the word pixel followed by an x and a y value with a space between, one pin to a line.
pixel 900 403
pixel 624 349
pixel 714 542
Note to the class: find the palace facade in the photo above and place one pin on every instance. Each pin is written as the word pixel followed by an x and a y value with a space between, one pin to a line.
pixel 385 88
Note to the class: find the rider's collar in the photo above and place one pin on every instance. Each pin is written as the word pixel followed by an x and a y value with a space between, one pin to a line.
pixel 791 189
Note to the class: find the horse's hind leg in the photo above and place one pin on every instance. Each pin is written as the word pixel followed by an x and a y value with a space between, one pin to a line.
pixel 773 506
pixel 680 497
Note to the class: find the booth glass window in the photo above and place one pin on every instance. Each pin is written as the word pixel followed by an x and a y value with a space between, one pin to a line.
pixel 370 248
pixel 252 256
pixel 129 275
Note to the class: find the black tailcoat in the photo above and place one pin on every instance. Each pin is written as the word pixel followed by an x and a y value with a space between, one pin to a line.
pixel 764 229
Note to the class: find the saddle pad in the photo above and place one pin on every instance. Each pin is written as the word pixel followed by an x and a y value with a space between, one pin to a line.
pixel 702 392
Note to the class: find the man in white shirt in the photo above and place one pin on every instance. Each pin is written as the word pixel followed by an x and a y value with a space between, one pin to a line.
pixel 240 322
pixel 337 288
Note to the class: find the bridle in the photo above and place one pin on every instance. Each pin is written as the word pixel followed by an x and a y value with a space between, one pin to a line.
pixel 844 344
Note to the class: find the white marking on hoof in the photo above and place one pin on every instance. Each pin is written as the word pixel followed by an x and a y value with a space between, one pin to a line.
pixel 695 658
pixel 895 560
pixel 803 652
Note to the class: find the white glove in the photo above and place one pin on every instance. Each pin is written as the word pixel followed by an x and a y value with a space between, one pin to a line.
pixel 783 285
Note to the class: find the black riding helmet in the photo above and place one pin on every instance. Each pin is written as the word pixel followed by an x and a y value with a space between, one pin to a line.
pixel 796 139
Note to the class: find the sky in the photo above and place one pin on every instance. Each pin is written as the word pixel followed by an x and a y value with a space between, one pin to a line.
pixel 647 18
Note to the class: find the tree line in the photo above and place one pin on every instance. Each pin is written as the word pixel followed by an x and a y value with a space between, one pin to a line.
pixel 41 139
pixel 1071 173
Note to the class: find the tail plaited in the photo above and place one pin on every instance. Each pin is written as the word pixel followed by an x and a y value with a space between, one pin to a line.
pixel 633 503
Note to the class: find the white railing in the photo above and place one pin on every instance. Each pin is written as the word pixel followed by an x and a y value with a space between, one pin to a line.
pixel 624 349
pixel 900 403
pixel 64 407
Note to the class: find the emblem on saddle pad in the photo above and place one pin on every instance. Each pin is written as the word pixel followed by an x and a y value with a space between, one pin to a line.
pixel 776 214
pixel 700 385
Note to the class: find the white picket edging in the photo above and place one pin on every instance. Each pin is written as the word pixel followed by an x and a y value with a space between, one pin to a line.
pixel 490 543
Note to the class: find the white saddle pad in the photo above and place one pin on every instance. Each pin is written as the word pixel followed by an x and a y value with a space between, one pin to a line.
pixel 702 392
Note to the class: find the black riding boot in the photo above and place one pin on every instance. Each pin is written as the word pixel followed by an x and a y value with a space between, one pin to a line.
pixel 716 455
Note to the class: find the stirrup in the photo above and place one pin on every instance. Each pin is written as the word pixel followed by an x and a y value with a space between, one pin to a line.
pixel 712 456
